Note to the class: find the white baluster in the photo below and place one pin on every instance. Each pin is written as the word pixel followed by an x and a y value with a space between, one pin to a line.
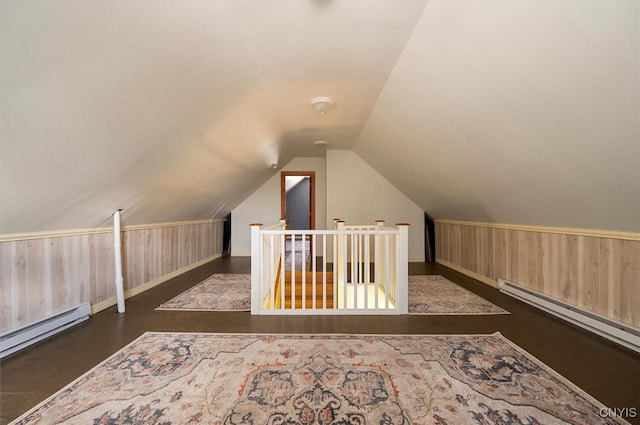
pixel 314 279
pixel 324 272
pixel 303 274
pixel 283 268
pixel 256 269
pixel 402 268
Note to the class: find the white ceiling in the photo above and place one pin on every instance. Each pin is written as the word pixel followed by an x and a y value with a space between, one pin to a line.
pixel 517 112
pixel 523 112
pixel 175 110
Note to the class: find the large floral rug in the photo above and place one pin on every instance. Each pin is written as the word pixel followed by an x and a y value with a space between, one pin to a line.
pixel 434 294
pixel 430 294
pixel 219 292
pixel 168 378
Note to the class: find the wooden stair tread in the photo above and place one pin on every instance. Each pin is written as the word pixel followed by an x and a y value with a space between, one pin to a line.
pixel 309 304
pixel 308 290
pixel 309 275
pixel 321 287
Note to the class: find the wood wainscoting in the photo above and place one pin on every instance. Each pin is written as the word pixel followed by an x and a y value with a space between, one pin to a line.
pixel 594 270
pixel 43 274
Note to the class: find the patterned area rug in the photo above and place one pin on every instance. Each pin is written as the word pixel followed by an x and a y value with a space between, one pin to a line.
pixel 434 294
pixel 219 292
pixel 332 380
pixel 428 294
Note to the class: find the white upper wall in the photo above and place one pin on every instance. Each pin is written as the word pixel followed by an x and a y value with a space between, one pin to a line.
pixel 358 194
pixel 523 112
pixel 346 188
pixel 263 205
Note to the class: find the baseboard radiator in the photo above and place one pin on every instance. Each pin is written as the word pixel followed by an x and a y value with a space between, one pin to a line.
pixel 17 339
pixel 615 331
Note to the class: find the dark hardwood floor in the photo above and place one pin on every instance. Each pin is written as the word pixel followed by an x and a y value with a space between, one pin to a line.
pixel 605 370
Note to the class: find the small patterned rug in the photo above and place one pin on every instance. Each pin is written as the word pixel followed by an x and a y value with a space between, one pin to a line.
pixel 219 292
pixel 434 294
pixel 169 378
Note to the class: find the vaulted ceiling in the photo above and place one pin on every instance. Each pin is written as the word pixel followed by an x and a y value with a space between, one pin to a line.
pixel 516 112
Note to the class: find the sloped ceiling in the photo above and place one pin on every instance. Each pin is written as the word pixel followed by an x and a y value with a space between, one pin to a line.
pixel 512 112
pixel 175 110
pixel 516 112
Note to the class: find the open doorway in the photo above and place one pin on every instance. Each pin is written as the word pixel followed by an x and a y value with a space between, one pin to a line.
pixel 297 199
pixel 297 204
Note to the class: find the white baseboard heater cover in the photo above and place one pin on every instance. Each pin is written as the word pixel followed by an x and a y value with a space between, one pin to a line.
pixel 620 333
pixel 17 339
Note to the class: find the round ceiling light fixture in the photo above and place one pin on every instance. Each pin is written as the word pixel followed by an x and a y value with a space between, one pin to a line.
pixel 322 104
pixel 321 144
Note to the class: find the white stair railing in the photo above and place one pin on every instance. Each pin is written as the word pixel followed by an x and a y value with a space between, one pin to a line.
pixel 367 273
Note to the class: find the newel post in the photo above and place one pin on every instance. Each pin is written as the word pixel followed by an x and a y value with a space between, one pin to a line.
pixel 340 254
pixel 379 252
pixel 402 267
pixel 256 267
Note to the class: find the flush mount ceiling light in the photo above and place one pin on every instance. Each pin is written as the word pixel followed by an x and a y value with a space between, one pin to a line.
pixel 321 144
pixel 322 104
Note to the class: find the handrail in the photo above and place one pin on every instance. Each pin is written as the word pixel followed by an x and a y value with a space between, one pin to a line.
pixel 387 231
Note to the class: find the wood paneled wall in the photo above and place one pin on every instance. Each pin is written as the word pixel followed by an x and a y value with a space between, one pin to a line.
pixel 43 275
pixel 597 271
